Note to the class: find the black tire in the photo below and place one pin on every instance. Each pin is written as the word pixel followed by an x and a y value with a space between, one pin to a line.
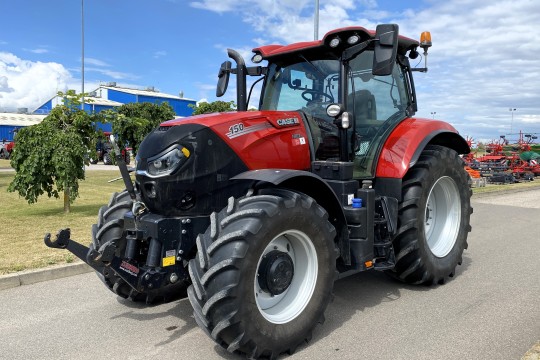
pixel 93 161
pixel 434 217
pixel 4 154
pixel 107 159
pixel 110 227
pixel 225 291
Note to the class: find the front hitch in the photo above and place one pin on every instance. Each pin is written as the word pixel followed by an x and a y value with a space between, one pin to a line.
pixel 84 253
pixel 141 277
pixel 97 259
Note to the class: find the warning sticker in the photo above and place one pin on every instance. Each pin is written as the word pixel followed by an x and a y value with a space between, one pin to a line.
pixel 168 261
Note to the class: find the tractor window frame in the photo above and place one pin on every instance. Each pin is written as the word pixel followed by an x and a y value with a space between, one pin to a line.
pixel 377 104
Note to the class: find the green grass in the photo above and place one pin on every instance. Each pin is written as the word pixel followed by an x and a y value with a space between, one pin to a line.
pixel 23 226
pixel 4 164
pixel 507 187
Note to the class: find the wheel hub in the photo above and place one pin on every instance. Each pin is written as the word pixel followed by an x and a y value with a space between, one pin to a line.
pixel 276 272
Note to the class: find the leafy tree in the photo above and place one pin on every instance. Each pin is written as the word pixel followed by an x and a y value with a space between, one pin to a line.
pixel 133 121
pixel 49 157
pixel 213 107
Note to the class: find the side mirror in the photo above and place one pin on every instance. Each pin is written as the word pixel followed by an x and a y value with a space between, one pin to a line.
pixel 386 44
pixel 223 78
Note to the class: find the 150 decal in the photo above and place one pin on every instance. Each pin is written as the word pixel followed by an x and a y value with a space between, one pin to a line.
pixel 239 129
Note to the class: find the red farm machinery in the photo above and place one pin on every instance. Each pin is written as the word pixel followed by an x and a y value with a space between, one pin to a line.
pixel 255 214
pixel 504 162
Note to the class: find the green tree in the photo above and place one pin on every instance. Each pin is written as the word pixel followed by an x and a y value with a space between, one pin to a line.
pixel 49 157
pixel 213 107
pixel 132 122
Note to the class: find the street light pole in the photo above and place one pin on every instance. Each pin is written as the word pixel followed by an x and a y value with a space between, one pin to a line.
pixel 512 122
pixel 82 51
pixel 316 21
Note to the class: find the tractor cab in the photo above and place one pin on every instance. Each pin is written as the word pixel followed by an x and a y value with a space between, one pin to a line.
pixel 348 86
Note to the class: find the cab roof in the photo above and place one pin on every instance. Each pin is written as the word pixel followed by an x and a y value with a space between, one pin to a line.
pixel 274 51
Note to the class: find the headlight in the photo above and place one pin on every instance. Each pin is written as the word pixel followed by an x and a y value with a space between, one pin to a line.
pixel 166 163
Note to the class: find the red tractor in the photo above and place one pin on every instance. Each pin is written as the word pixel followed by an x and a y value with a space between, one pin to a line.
pixel 255 214
pixel 104 151
pixel 6 147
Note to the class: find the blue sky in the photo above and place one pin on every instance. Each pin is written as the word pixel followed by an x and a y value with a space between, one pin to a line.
pixel 484 58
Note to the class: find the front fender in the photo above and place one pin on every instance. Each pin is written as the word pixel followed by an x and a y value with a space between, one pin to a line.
pixel 302 181
pixel 314 186
pixel 407 141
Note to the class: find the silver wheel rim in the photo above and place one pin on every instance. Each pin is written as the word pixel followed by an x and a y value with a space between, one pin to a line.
pixel 442 216
pixel 282 308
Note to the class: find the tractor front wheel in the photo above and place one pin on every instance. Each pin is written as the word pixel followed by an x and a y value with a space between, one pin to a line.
pixel 264 273
pixel 4 154
pixel 434 217
pixel 107 159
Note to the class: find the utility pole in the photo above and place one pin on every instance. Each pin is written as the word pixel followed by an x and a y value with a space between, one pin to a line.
pixel 316 21
pixel 512 122
pixel 82 51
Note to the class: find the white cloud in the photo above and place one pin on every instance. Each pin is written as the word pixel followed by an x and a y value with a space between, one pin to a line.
pixel 117 75
pixel 484 57
pixel 38 51
pixel 159 54
pixel 28 84
pixel 4 86
pixel 95 62
pixel 483 62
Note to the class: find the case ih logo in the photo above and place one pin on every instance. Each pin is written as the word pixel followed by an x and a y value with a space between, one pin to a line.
pixel 130 269
pixel 287 122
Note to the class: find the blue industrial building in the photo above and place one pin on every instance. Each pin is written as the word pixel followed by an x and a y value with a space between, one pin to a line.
pixel 110 96
pixel 11 122
pixel 105 97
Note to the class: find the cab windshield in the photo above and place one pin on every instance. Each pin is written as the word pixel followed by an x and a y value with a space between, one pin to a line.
pixel 376 103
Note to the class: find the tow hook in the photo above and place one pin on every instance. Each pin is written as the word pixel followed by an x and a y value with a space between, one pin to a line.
pixel 84 253
pixel 62 239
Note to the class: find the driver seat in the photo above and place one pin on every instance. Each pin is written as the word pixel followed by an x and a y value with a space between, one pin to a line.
pixel 364 110
pixel 363 106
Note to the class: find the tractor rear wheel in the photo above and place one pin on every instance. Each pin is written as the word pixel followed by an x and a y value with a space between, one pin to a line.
pixel 4 154
pixel 110 227
pixel 434 217
pixel 107 159
pixel 264 273
pixel 127 158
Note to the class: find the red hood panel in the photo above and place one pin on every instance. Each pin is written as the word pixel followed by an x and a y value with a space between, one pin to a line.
pixel 262 139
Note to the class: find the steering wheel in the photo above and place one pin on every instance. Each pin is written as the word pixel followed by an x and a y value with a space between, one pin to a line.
pixel 307 92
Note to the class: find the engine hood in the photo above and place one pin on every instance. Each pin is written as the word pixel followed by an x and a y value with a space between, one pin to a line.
pixel 262 139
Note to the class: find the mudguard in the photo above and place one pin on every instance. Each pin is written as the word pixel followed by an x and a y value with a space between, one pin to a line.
pixel 405 144
pixel 314 186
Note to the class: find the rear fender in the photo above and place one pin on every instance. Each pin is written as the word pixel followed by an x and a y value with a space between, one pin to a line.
pixel 313 186
pixel 403 147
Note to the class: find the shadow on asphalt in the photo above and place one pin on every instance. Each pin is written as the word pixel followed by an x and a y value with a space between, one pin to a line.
pixel 351 295
pixel 179 309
